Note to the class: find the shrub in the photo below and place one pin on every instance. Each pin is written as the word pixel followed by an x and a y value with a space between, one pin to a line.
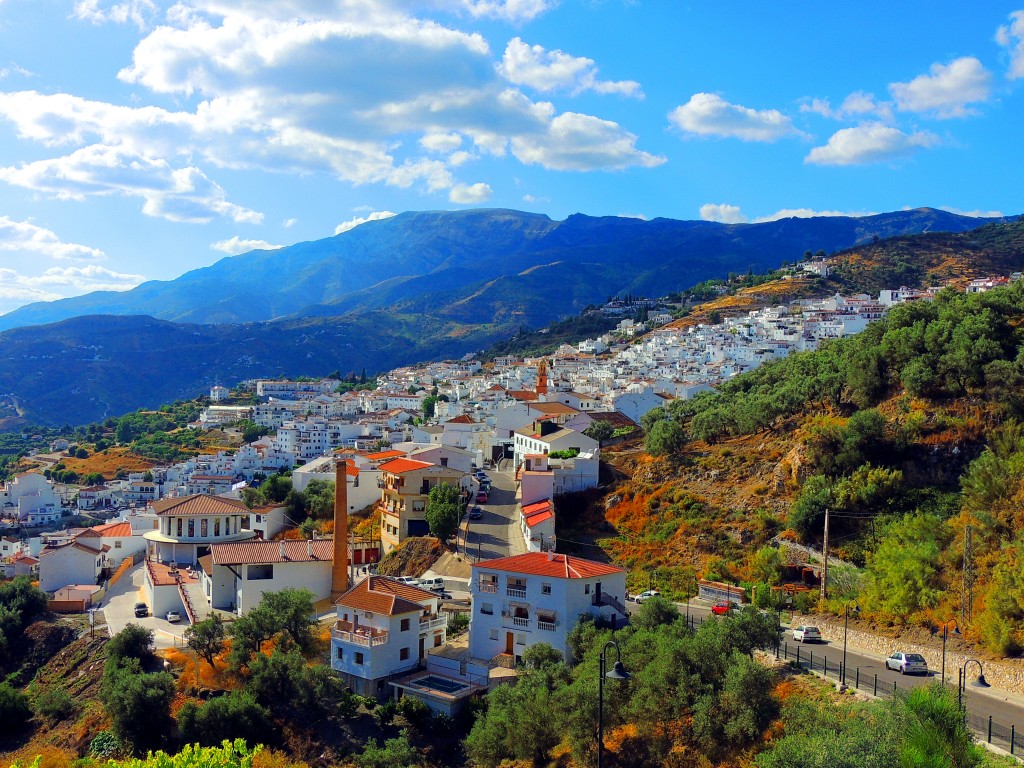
pixel 14 709
pixel 233 715
pixel 54 704
pixel 105 744
pixel 415 711
pixel 457 623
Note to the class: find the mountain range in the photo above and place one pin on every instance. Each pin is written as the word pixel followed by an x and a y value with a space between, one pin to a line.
pixel 416 286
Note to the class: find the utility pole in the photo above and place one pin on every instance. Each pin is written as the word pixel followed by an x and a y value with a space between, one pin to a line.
pixel 967 585
pixel 824 560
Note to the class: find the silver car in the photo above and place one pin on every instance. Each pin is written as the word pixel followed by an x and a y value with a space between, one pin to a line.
pixel 907 663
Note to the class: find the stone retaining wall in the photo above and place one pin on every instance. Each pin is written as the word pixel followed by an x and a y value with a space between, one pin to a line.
pixel 1004 676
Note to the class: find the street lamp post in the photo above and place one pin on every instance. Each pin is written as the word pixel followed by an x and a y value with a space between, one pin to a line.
pixel 947 626
pixel 846 628
pixel 979 681
pixel 617 672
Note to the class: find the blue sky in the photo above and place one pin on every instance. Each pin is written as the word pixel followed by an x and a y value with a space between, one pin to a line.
pixel 141 139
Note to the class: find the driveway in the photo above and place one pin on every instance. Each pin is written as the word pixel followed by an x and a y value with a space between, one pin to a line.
pixel 119 611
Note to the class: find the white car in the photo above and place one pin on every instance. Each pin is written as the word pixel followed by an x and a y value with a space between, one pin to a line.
pixel 410 580
pixel 807 634
pixel 173 616
pixel 907 663
pixel 646 595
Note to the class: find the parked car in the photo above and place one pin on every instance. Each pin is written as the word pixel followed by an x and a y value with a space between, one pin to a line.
pixel 720 609
pixel 411 580
pixel 646 595
pixel 141 610
pixel 173 616
pixel 479 474
pixel 481 497
pixel 476 513
pixel 907 663
pixel 433 583
pixel 807 634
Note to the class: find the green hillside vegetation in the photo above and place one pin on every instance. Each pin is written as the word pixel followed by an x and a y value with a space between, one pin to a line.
pixel 910 431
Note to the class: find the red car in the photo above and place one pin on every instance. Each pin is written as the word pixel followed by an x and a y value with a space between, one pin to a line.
pixel 719 609
pixel 481 498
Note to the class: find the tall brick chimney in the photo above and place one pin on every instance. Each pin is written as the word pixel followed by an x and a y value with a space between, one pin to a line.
pixel 339 567
pixel 542 377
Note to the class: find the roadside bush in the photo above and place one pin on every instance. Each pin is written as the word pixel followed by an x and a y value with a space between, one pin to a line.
pixel 14 709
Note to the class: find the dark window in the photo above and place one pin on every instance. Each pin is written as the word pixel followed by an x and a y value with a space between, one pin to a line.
pixel 405 625
pixel 403 654
pixel 341 652
pixel 359 657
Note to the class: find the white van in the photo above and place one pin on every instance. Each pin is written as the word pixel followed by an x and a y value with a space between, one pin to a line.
pixel 433 583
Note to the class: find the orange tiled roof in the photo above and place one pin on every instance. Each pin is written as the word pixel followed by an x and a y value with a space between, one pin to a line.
pixel 379 594
pixel 549 564
pixel 114 529
pixel 398 466
pixel 257 552
pixel 199 504
pixel 384 455
pixel 522 395
pixel 553 409
pixel 463 419
pixel 537 507
pixel 538 518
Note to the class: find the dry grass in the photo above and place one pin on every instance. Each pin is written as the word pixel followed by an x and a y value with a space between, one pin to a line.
pixel 109 462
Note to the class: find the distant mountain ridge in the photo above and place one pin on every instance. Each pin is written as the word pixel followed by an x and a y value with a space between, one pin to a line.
pixel 416 254
pixel 428 286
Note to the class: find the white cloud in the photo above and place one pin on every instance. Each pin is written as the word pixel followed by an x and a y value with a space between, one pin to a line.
pixel 236 245
pixel 14 69
pixel 1011 37
pixel 722 213
pixel 549 71
pixel 818 107
pixel 640 216
pixel 948 91
pixel 860 104
pixel 515 11
pixel 472 194
pixel 808 213
pixel 575 142
pixel 708 114
pixel 976 213
pixel 345 226
pixel 441 142
pixel 289 223
pixel 869 143
pixel 298 87
pixel 135 11
pixel 25 237
pixel 177 194
pixel 17 289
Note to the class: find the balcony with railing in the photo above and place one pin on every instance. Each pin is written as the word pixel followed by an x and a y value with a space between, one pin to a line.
pixel 523 622
pixel 491 587
pixel 547 624
pixel 516 590
pixel 346 632
pixel 433 622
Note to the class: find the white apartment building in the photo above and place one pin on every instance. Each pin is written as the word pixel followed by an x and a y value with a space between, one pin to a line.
pixel 30 498
pixel 384 629
pixel 538 597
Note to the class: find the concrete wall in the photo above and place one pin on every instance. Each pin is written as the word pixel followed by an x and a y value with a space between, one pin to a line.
pixel 67 566
pixel 315 576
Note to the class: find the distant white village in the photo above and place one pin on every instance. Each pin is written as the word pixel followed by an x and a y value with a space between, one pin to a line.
pixel 194 548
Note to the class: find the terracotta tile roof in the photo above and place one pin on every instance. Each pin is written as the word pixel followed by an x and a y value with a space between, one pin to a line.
pixel 256 552
pixel 537 507
pixel 114 529
pixel 398 466
pixel 199 504
pixel 49 549
pixel 379 594
pixel 206 563
pixel 534 520
pixel 463 419
pixel 522 395
pixel 553 409
pixel 384 455
pixel 26 559
pixel 615 418
pixel 549 564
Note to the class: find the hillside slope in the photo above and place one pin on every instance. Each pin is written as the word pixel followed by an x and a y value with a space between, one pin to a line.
pixel 413 255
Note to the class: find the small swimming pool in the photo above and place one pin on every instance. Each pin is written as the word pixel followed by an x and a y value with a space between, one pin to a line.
pixel 442 684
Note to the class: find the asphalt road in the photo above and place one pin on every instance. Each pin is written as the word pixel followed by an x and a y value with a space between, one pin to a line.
pixel 496 534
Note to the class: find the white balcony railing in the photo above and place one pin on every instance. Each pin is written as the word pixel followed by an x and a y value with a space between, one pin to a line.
pixel 546 625
pixel 433 622
pixel 516 591
pixel 521 621
pixel 491 588
pixel 358 638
